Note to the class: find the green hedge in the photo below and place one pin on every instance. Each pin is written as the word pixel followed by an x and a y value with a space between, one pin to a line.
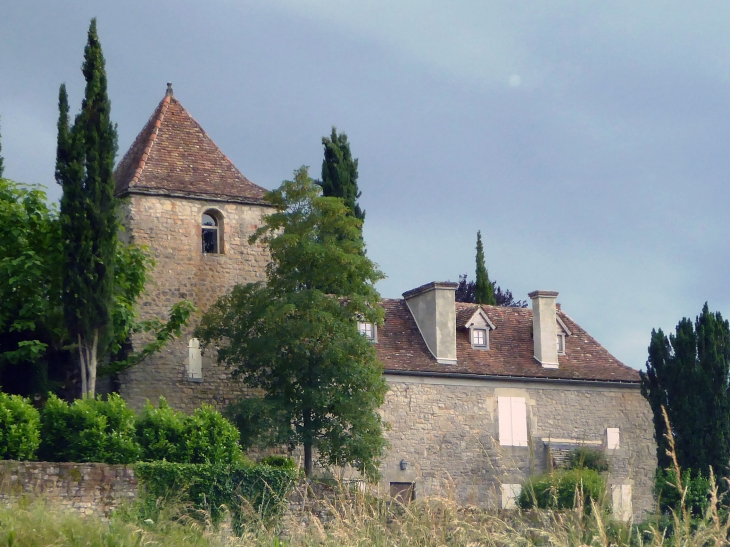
pixel 246 490
pixel 19 428
pixel 558 490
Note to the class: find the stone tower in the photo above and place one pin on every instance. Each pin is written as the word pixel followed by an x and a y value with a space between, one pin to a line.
pixel 194 211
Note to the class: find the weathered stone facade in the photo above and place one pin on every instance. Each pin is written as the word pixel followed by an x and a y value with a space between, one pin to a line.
pixel 89 488
pixel 171 230
pixel 446 431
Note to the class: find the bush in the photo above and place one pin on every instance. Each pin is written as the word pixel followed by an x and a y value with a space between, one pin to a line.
pixel 557 490
pixel 210 438
pixel 210 488
pixel 88 430
pixel 19 428
pixel 282 462
pixel 588 458
pixel 697 498
pixel 161 433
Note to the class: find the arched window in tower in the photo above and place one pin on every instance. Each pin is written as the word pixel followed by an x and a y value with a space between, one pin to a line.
pixel 212 235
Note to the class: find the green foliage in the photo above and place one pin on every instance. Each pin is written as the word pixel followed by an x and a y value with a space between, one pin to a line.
pixel 88 430
pixel 2 161
pixel 211 488
pixel 283 462
pixel 296 337
pixel 558 490
pixel 696 492
pixel 339 172
pixel 260 422
pixel 588 458
pixel 19 428
pixel 483 288
pixel 688 374
pixel 204 437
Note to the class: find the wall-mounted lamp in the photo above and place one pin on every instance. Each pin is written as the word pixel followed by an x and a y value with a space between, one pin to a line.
pixel 403 465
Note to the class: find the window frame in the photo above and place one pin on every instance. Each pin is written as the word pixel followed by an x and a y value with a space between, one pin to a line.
pixel 217 228
pixel 194 364
pixel 561 343
pixel 363 331
pixel 473 331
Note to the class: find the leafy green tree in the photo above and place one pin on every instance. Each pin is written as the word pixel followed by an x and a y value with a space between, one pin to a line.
pixel 339 172
pixel 483 289
pixel 296 338
pixel 89 225
pixel 465 292
pixel 688 374
pixel 2 162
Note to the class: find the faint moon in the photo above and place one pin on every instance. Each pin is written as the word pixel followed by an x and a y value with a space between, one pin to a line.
pixel 515 80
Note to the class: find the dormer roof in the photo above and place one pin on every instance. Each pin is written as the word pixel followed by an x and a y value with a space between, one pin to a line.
pixel 467 318
pixel 401 348
pixel 174 156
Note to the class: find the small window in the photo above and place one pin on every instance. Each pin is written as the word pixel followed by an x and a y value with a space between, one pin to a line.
pixel 512 421
pixel 195 361
pixel 561 344
pixel 403 491
pixel 368 330
pixel 211 233
pixel 613 438
pixel 480 338
pixel 510 493
pixel 622 506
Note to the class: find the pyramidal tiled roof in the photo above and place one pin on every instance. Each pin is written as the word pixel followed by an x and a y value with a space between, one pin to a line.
pixel 173 155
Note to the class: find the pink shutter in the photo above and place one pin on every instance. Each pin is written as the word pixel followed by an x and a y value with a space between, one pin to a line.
pixel 504 408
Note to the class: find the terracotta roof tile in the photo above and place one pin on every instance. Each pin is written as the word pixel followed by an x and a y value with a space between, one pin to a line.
pixel 173 155
pixel 401 348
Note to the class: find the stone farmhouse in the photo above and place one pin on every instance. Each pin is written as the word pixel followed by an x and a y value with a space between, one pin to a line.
pixel 480 396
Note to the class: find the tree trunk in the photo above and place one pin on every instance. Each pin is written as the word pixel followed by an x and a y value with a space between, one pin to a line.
pixel 307 444
pixel 82 366
pixel 92 362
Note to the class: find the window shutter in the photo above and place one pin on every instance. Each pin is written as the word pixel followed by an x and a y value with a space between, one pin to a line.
pixel 519 421
pixel 504 408
pixel 195 360
pixel 613 438
pixel 510 494
pixel 621 501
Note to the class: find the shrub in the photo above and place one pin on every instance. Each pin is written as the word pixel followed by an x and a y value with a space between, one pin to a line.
pixel 210 488
pixel 161 433
pixel 19 428
pixel 210 438
pixel 696 500
pixel 558 490
pixel 282 462
pixel 588 458
pixel 88 430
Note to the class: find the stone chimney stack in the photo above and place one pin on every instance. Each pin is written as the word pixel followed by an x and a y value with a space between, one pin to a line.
pixel 432 306
pixel 544 327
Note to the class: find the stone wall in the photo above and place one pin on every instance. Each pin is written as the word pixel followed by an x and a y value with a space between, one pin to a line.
pixel 447 433
pixel 90 488
pixel 171 229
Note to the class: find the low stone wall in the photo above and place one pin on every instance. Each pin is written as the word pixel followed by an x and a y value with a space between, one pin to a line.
pixel 89 488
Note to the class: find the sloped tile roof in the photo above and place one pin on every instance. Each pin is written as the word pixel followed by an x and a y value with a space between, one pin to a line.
pixel 173 155
pixel 401 348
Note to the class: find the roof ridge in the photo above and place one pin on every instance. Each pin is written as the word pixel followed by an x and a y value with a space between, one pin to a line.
pixel 162 108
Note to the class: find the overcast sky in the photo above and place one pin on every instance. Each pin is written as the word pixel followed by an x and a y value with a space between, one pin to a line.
pixel 588 141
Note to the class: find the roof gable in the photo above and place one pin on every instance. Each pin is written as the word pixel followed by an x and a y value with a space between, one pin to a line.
pixel 173 155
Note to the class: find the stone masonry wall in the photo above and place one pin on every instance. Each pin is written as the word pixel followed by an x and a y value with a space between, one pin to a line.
pixel 447 432
pixel 171 229
pixel 89 488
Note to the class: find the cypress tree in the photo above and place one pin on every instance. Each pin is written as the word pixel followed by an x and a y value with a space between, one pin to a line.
pixel 2 165
pixel 84 168
pixel 339 172
pixel 688 374
pixel 484 289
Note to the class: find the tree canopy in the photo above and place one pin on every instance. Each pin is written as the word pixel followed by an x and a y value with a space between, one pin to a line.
pixel 687 374
pixel 483 288
pixel 465 292
pixel 296 337
pixel 339 172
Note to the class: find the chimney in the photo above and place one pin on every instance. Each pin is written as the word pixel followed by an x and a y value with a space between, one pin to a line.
pixel 432 306
pixel 544 327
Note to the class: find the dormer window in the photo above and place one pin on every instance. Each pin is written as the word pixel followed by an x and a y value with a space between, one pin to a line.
pixel 368 330
pixel 561 344
pixel 480 338
pixel 211 226
pixel 563 332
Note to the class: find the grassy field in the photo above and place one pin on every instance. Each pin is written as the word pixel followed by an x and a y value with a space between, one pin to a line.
pixel 356 520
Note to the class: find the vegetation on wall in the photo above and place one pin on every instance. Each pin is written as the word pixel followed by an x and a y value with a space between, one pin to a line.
pixel 688 375
pixel 563 489
pixel 296 338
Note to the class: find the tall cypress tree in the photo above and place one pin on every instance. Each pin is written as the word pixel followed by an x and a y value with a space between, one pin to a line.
pixel 84 168
pixel 339 172
pixel 688 374
pixel 484 289
pixel 2 165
